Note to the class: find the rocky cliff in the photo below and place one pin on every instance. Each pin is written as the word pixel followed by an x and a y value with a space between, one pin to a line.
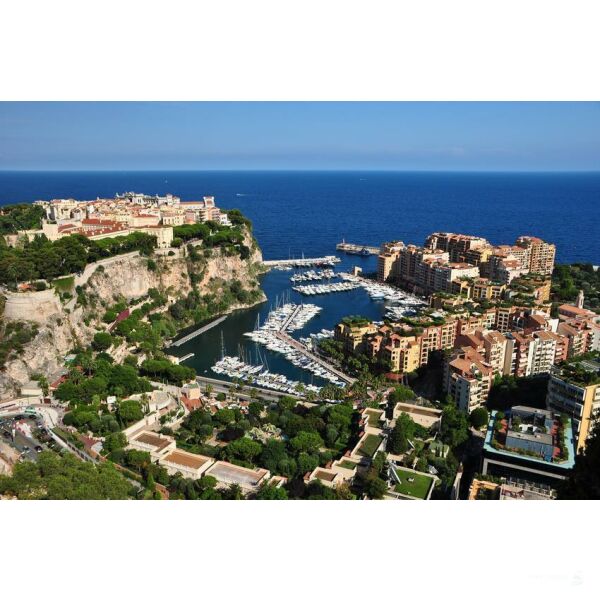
pixel 63 323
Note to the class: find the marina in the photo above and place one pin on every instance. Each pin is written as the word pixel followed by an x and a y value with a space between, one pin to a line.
pixel 257 375
pixel 293 351
pixel 327 288
pixel 313 275
pixel 273 335
pixel 325 261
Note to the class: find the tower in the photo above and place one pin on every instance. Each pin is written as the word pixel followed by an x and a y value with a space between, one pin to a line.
pixel 580 297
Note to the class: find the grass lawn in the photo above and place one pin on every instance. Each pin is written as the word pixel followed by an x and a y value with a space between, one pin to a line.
pixel 369 445
pixel 374 418
pixel 417 488
pixel 348 464
pixel 64 284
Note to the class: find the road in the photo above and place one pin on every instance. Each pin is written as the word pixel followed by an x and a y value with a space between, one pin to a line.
pixel 24 445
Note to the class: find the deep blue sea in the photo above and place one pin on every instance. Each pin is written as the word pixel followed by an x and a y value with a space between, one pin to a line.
pixel 295 212
pixel 309 212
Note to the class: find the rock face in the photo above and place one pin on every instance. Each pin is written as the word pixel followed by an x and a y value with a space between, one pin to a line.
pixel 64 325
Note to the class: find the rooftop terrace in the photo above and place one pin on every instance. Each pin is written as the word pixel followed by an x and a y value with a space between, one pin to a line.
pixel 229 473
pixel 532 445
pixel 186 459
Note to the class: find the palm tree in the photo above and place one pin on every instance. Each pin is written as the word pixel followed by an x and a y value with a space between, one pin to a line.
pixel 209 389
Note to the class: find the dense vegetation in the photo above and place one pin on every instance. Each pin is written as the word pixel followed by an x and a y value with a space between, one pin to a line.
pixel 58 477
pixel 355 364
pixel 567 280
pixel 213 235
pixel 13 337
pixel 301 438
pixel 18 217
pixel 508 391
pixel 196 307
pixel 43 259
pixel 575 372
pixel 92 379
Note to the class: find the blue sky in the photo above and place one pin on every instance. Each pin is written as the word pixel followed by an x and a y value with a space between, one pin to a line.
pixel 453 136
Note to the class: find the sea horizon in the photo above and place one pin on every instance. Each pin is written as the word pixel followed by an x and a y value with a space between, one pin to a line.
pixel 309 211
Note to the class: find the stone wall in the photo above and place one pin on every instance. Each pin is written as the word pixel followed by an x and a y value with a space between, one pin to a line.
pixel 31 306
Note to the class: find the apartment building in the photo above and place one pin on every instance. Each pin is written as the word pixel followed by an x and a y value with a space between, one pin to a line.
pixel 491 345
pixel 541 254
pixel 575 390
pixel 385 265
pixel 467 379
pixel 409 259
pixel 352 334
pixel 544 351
pixel 456 244
pixel 433 275
pixel 485 289
pixel 479 256
pixel 402 353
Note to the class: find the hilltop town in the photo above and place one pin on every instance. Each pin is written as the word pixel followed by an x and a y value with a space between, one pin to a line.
pixel 119 216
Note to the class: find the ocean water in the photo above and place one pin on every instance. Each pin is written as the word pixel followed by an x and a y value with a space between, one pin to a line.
pixel 297 212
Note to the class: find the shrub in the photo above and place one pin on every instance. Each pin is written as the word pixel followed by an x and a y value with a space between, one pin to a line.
pixel 479 417
pixel 102 341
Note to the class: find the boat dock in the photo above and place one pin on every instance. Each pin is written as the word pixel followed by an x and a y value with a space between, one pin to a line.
pixel 288 339
pixel 292 316
pixel 344 246
pixel 186 357
pixel 200 331
pixel 303 262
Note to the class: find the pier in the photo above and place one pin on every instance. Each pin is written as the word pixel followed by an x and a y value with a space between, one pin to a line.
pixel 288 339
pixel 200 331
pixel 302 262
pixel 290 318
pixel 349 248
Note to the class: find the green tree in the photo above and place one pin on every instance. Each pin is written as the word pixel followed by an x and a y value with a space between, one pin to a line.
pixel 454 429
pixel 306 441
pixel 255 409
pixel 307 462
pixel 398 441
pixel 130 411
pixel 225 416
pixel 479 417
pixel 114 441
pixel 64 477
pixel 376 488
pixel 271 492
pixel 102 341
pixel 244 448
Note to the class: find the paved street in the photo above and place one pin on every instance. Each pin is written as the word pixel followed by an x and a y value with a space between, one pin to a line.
pixel 25 446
